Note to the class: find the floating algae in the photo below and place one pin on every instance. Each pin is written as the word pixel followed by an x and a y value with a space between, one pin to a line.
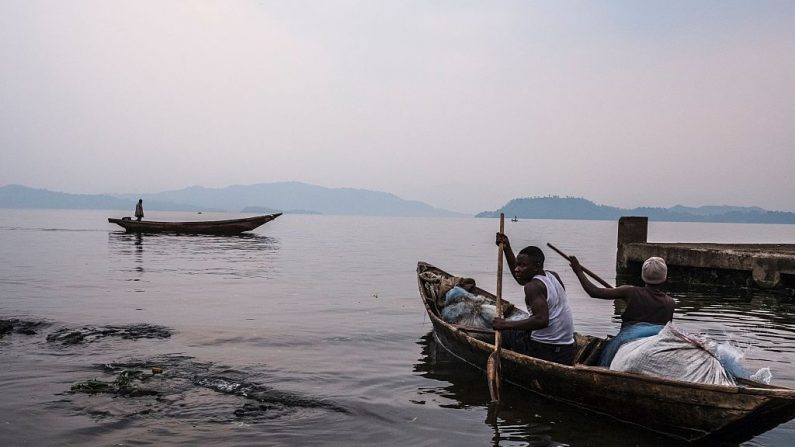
pixel 20 326
pixel 89 334
pixel 5 327
pixel 123 385
pixel 177 386
pixel 262 393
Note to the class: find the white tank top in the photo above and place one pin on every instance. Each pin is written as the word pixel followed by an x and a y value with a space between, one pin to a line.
pixel 561 324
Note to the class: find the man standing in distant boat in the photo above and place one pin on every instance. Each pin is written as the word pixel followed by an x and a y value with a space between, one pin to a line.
pixel 139 210
pixel 549 332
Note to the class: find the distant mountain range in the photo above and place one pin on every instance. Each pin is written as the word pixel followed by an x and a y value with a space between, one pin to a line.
pixel 17 196
pixel 555 207
pixel 298 198
pixel 302 198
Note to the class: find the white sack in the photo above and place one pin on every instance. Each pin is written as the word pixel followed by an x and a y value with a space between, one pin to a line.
pixel 674 355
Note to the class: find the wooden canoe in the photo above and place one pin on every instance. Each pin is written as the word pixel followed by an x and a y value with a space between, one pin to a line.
pixel 684 410
pixel 232 226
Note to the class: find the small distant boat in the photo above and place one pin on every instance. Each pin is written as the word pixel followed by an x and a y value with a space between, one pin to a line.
pixel 232 226
pixel 514 219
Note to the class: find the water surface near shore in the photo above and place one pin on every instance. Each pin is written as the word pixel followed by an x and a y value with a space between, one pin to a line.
pixel 308 331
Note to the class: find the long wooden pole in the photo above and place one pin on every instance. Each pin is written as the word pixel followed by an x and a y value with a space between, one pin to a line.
pixel 587 272
pixel 493 367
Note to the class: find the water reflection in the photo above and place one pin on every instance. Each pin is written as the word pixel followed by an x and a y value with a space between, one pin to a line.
pixel 522 418
pixel 761 321
pixel 238 256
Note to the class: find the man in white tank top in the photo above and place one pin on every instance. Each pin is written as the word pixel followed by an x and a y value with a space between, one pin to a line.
pixel 549 332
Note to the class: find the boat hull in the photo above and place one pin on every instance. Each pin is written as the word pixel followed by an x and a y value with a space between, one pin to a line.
pixel 231 226
pixel 683 410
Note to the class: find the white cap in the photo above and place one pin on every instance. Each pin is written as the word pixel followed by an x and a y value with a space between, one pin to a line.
pixel 654 271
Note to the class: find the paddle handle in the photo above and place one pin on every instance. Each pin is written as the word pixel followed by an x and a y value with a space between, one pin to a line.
pixel 587 272
pixel 500 253
pixel 493 368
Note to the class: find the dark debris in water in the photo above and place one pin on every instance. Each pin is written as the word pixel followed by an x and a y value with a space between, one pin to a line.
pixel 251 410
pixel 259 393
pixel 167 386
pixel 67 336
pixel 7 326
pixel 127 383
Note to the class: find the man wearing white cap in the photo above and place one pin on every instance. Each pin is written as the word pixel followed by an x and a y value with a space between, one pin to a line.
pixel 648 309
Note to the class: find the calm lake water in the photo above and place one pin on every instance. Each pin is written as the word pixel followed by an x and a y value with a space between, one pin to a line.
pixel 310 331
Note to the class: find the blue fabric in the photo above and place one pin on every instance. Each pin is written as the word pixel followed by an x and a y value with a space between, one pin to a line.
pixel 455 293
pixel 730 357
pixel 627 334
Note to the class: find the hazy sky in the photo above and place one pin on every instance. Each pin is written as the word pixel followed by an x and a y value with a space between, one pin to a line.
pixel 460 104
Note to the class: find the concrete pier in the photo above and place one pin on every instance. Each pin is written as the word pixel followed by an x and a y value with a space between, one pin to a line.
pixel 756 266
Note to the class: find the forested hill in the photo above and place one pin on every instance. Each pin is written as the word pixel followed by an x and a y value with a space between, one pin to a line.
pixel 555 207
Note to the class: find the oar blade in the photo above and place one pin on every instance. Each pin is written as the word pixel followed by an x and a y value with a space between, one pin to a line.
pixel 493 374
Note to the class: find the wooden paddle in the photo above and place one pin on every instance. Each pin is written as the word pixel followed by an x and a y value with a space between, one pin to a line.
pixel 493 368
pixel 587 272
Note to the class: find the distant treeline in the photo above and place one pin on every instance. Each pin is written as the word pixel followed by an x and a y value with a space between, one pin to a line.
pixel 555 207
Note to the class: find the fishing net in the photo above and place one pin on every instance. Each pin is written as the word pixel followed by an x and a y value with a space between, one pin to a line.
pixel 438 285
pixel 474 311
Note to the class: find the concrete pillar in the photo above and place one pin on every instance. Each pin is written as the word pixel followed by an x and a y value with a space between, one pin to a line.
pixel 631 229
pixel 765 273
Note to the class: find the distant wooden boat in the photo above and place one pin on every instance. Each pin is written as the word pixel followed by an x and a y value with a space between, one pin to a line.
pixel 684 410
pixel 514 219
pixel 232 226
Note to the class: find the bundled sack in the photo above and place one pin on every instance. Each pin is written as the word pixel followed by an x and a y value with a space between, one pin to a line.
pixel 676 355
pixel 475 311
pixel 438 285
pixel 672 354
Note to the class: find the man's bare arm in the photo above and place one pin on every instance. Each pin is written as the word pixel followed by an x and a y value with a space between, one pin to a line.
pixel 536 300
